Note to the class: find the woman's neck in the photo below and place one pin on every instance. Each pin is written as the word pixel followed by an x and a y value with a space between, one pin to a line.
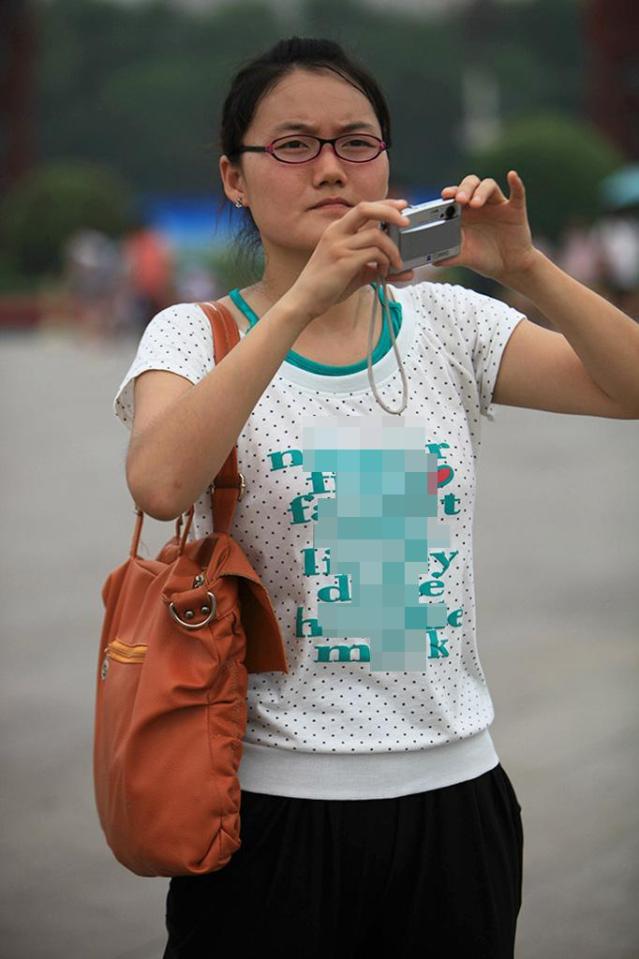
pixel 346 318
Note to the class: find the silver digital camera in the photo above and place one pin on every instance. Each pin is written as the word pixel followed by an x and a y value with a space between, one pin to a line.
pixel 434 233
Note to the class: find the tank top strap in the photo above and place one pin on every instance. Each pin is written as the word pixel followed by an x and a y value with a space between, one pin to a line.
pixel 253 318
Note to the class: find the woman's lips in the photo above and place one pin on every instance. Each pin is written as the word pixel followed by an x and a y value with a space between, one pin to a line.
pixel 332 206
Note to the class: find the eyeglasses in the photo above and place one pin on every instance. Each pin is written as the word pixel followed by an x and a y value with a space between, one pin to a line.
pixel 358 148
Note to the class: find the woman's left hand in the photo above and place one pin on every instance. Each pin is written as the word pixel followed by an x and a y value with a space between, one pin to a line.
pixel 495 236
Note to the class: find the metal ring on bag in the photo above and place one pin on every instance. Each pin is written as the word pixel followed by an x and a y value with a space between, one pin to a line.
pixel 241 486
pixel 205 622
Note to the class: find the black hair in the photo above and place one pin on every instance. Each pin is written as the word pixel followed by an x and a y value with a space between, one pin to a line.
pixel 257 77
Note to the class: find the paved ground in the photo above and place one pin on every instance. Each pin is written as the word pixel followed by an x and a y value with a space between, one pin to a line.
pixel 557 560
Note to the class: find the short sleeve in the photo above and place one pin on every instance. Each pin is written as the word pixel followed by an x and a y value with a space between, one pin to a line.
pixel 488 323
pixel 178 339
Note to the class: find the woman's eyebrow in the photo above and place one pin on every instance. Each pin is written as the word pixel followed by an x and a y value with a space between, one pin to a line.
pixel 310 128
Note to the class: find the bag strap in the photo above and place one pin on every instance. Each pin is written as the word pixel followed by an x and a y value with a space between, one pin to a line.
pixel 228 486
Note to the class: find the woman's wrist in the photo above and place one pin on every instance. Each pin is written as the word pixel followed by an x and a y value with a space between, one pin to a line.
pixel 288 314
pixel 296 309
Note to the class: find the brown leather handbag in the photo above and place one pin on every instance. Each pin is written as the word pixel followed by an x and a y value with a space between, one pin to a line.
pixel 180 634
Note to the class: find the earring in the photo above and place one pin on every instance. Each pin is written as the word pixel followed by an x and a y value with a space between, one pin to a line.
pixel 238 203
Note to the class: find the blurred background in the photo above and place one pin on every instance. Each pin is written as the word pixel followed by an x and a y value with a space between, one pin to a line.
pixel 111 204
pixel 111 208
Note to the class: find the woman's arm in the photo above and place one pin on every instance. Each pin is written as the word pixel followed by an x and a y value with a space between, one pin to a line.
pixel 591 364
pixel 181 445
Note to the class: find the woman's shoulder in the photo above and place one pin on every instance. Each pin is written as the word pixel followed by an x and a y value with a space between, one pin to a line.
pixel 427 289
pixel 430 298
pixel 175 325
pixel 455 303
pixel 176 316
pixel 179 331
pixel 179 340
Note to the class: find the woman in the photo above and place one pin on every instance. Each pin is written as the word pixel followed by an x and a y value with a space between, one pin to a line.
pixel 375 812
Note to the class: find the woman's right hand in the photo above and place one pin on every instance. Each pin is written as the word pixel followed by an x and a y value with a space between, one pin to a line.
pixel 350 254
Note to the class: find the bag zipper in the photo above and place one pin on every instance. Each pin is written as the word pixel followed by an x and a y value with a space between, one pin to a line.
pixel 124 653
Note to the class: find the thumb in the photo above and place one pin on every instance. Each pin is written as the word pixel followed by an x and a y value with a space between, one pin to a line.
pixel 517 189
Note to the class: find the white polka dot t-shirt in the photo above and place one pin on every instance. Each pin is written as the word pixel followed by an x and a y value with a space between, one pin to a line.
pixel 360 525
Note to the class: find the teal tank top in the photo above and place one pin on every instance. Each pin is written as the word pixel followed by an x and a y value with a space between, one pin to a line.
pixel 383 346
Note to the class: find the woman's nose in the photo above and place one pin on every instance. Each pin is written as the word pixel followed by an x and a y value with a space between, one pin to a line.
pixel 327 150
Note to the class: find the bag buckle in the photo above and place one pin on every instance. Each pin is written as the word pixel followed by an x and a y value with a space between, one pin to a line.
pixel 242 486
pixel 189 614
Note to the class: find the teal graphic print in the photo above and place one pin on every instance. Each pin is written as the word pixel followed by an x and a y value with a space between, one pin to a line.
pixel 376 530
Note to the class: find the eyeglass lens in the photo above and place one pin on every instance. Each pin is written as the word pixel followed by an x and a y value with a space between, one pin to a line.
pixel 296 149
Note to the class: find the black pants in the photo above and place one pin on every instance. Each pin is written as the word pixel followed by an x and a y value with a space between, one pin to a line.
pixel 339 879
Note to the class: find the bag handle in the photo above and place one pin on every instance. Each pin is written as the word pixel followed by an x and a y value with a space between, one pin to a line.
pixel 137 532
pixel 222 490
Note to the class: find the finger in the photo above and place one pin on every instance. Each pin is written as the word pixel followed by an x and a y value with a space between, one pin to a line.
pixel 517 189
pixel 371 257
pixel 386 205
pixel 375 236
pixel 386 211
pixel 488 191
pixel 467 187
pixel 404 275
pixel 451 261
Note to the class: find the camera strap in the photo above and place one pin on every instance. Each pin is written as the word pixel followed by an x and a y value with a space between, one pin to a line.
pixel 385 317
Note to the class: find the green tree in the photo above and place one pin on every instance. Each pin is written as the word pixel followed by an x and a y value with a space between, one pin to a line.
pixel 562 162
pixel 141 86
pixel 48 205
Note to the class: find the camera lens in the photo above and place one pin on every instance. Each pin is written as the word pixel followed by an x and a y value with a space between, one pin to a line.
pixel 450 211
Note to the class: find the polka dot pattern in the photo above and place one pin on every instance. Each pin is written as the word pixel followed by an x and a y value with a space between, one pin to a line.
pixel 451 360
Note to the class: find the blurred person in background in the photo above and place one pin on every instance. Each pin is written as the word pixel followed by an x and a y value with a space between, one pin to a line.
pixel 95 277
pixel 150 265
pixel 579 252
pixel 195 283
pixel 617 236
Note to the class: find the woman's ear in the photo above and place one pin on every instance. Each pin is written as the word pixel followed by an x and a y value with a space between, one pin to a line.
pixel 232 179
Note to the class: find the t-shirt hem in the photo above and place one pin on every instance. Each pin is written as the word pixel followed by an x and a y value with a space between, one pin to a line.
pixel 314 775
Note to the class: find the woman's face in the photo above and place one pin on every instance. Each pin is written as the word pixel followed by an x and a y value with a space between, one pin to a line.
pixel 281 195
